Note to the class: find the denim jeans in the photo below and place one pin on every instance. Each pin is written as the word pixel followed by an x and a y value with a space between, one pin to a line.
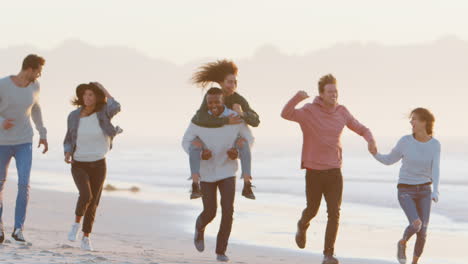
pixel 244 155
pixel 416 203
pixel 23 157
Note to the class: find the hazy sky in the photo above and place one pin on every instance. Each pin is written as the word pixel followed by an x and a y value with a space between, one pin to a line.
pixel 180 31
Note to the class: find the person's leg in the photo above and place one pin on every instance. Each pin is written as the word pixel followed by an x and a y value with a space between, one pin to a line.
pixel 97 176
pixel 227 189
pixel 333 192
pixel 314 192
pixel 406 199
pixel 209 199
pixel 423 205
pixel 209 212
pixel 80 173
pixel 408 204
pixel 5 157
pixel 195 151
pixel 23 158
pixel 245 157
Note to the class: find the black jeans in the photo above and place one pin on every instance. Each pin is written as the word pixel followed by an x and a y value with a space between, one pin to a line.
pixel 227 189
pixel 89 178
pixel 328 183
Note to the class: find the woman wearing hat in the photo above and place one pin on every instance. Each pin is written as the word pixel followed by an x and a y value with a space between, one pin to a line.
pixel 88 139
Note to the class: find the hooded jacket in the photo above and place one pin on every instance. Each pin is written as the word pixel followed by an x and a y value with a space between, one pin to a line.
pixel 322 128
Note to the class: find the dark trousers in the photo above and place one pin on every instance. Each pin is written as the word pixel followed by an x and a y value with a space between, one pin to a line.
pixel 327 183
pixel 227 189
pixel 89 178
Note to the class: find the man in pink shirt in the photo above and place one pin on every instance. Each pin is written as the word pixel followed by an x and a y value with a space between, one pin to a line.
pixel 322 123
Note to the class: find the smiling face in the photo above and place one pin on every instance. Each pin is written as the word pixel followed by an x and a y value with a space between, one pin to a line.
pixel 418 125
pixel 229 85
pixel 215 104
pixel 34 74
pixel 89 98
pixel 329 95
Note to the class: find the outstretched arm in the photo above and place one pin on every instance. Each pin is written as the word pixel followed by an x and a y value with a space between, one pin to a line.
pixel 393 157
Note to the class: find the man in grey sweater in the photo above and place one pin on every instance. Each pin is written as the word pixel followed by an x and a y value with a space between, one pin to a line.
pixel 19 102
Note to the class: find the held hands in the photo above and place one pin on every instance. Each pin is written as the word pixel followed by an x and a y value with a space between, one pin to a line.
pixel 206 154
pixel 68 158
pixel 372 147
pixel 8 123
pixel 46 145
pixel 302 95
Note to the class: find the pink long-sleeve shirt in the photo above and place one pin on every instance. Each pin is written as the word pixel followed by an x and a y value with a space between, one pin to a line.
pixel 322 128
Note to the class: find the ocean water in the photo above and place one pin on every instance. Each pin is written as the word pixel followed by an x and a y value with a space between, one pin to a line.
pixel 370 213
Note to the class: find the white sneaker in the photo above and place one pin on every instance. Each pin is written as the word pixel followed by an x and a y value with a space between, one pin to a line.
pixel 73 232
pixel 86 244
pixel 18 237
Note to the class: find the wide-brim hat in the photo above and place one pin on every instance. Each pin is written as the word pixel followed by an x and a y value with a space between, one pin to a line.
pixel 89 86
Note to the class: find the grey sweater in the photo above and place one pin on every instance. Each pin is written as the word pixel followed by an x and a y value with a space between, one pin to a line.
pixel 420 161
pixel 20 104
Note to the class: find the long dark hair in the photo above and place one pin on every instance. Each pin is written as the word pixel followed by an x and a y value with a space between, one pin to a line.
pixel 425 115
pixel 80 90
pixel 214 72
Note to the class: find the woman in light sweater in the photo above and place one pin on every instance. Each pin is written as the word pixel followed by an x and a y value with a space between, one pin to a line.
pixel 420 155
pixel 88 139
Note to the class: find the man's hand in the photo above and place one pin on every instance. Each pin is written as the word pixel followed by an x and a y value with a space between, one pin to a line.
pixel 68 158
pixel 46 145
pixel 238 109
pixel 234 119
pixel 372 148
pixel 206 154
pixel 233 153
pixel 302 95
pixel 8 123
pixel 197 143
pixel 240 142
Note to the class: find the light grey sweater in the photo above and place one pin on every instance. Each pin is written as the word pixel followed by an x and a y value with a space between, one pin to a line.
pixel 20 104
pixel 420 161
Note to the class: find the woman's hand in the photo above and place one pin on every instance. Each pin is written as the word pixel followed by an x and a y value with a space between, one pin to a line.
pixel 68 158
pixel 104 90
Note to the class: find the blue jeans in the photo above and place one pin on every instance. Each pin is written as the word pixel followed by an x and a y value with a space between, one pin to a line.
pixel 244 155
pixel 23 157
pixel 416 203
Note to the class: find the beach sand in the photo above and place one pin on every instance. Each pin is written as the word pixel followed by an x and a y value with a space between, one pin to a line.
pixel 126 231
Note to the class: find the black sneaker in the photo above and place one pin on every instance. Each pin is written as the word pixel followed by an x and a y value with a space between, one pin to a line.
pixel 2 237
pixel 247 191
pixel 18 236
pixel 301 235
pixel 196 191
pixel 199 239
pixel 401 253
pixel 330 259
